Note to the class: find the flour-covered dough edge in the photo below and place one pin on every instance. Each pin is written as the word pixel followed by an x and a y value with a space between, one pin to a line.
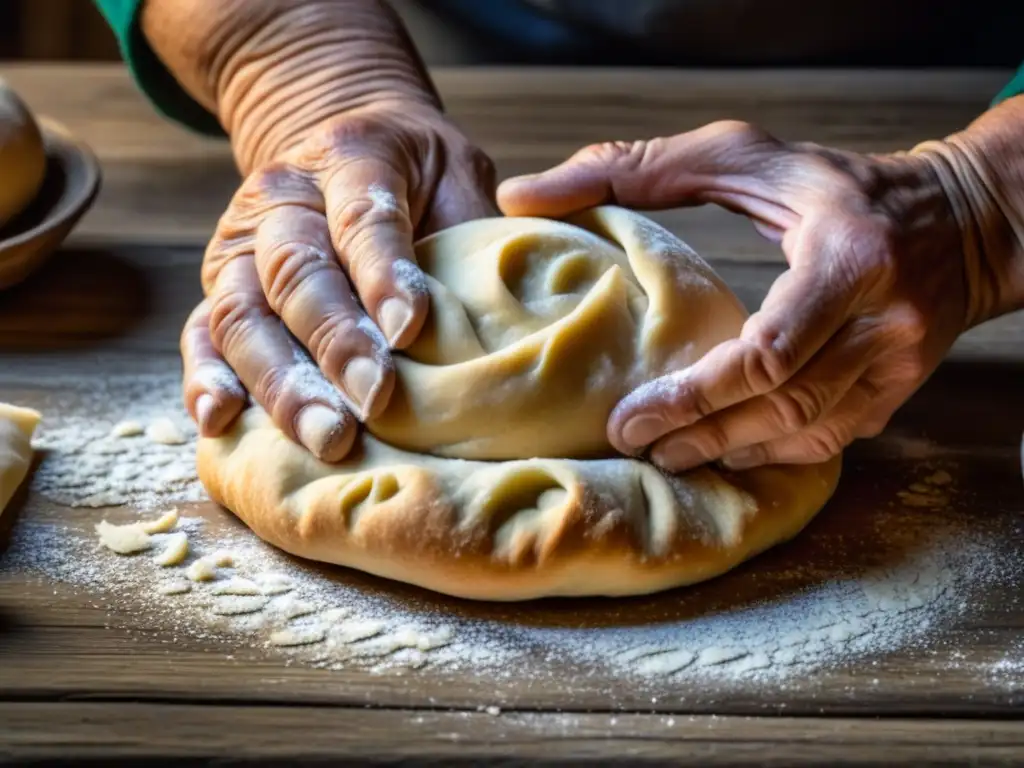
pixel 514 530
pixel 16 428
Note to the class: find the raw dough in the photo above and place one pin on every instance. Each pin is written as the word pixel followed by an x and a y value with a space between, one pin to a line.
pixel 16 428
pixel 22 156
pixel 123 539
pixel 537 329
pixel 174 552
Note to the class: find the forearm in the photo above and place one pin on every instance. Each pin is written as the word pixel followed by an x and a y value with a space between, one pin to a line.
pixel 269 69
pixel 982 173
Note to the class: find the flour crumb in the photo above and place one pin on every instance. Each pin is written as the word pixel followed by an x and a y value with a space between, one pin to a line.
pixel 162 524
pixel 492 710
pixel 238 605
pixel 223 559
pixel 174 552
pixel 165 432
pixel 123 539
pixel 202 570
pixel 174 587
pixel 288 638
pixel 237 585
pixel 127 428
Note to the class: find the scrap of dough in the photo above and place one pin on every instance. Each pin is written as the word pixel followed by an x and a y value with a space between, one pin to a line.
pixel 16 428
pixel 127 428
pixel 123 539
pixel 174 552
pixel 536 329
pixel 222 559
pixel 202 570
pixel 162 524
pixel 165 432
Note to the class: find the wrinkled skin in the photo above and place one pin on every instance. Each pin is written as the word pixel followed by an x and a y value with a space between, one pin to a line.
pixel 310 279
pixel 874 296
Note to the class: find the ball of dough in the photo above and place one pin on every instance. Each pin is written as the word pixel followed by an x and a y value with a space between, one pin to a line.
pixel 538 328
pixel 22 156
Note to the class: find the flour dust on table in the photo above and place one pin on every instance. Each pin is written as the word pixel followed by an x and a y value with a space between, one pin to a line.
pixel 790 614
pixel 126 440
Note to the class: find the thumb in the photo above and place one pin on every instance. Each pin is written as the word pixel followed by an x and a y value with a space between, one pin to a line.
pixel 710 164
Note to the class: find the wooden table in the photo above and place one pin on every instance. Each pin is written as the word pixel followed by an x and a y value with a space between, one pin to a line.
pixel 80 680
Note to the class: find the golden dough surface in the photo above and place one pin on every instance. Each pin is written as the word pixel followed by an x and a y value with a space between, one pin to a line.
pixel 489 475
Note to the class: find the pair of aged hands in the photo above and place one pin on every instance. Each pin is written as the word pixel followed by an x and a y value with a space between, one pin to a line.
pixel 311 283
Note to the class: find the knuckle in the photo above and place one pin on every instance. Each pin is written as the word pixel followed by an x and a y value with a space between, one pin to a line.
pixel 740 132
pixel 334 340
pixel 910 327
pixel 770 360
pixel 798 406
pixel 233 315
pixel 826 440
pixel 286 267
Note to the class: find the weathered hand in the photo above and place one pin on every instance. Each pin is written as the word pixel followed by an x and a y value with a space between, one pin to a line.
pixel 875 294
pixel 310 278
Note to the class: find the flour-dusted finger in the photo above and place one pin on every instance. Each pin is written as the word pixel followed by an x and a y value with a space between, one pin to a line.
pixel 368 215
pixel 273 367
pixel 214 396
pixel 305 285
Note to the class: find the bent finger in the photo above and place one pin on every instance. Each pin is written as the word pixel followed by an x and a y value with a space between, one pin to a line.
pixel 273 367
pixel 213 394
pixel 305 286
pixel 368 218
pixel 804 400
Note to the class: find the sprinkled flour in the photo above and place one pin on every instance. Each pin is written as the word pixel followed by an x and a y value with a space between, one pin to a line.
pixel 784 616
pixel 91 460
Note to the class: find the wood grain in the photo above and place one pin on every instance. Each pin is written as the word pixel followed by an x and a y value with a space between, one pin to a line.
pixel 86 677
pixel 254 735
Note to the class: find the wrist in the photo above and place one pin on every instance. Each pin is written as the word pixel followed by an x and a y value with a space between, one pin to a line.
pixel 271 69
pixel 981 170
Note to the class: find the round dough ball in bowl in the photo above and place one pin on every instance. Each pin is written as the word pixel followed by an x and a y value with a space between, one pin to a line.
pixel 489 475
pixel 22 157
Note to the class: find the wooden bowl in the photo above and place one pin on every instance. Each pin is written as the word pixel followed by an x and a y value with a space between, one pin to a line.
pixel 69 188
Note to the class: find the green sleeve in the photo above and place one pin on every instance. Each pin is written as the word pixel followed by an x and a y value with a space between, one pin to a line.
pixel 1013 88
pixel 150 74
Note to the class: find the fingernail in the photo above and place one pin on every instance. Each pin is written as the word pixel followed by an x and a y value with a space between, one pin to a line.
pixel 393 316
pixel 741 458
pixel 643 429
pixel 320 429
pixel 678 456
pixel 204 410
pixel 362 377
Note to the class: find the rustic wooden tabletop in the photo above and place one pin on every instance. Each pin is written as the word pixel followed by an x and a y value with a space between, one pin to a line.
pixel 889 633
